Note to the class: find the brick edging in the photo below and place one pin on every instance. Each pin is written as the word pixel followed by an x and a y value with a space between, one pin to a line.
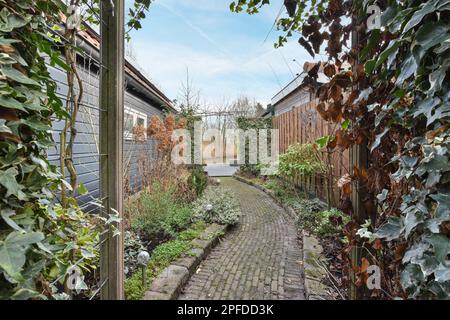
pixel 168 284
pixel 314 274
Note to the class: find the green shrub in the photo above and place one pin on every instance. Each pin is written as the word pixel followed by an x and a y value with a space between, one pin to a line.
pixel 224 207
pixel 132 246
pixel 161 257
pixel 300 160
pixel 313 216
pixel 157 212
pixel 198 181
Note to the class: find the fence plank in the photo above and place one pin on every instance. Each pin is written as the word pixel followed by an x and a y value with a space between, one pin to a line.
pixel 304 125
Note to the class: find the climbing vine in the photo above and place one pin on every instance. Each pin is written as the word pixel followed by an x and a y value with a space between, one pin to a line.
pixel 42 242
pixel 391 90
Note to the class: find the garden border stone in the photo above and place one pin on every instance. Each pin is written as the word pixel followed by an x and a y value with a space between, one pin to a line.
pixel 168 284
pixel 314 274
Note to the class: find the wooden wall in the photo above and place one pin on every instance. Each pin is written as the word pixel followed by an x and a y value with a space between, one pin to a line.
pixel 303 124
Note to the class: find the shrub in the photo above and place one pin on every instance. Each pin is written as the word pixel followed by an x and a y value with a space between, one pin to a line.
pixel 161 257
pixel 132 246
pixel 157 212
pixel 313 216
pixel 198 181
pixel 224 207
pixel 300 159
pixel 331 222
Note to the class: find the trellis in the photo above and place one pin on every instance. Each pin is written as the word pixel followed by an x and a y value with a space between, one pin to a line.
pixel 112 24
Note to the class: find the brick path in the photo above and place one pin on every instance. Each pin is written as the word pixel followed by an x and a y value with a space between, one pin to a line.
pixel 259 259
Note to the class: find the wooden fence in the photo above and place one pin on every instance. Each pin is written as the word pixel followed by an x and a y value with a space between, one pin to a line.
pixel 303 124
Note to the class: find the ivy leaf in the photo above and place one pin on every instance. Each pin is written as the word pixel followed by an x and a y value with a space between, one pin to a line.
pixel 11 103
pixel 411 275
pixel 417 17
pixel 6 215
pixel 35 124
pixel 412 219
pixel 9 22
pixel 82 189
pixel 392 229
pixel 8 180
pixel 4 127
pixel 441 245
pixel 25 294
pixel 409 66
pixel 373 40
pixel 442 273
pixel 416 252
pixel 18 76
pixel 390 50
pixel 378 139
pixel 431 34
pixel 13 251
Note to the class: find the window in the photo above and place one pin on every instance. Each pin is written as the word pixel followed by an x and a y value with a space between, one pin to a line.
pixel 132 119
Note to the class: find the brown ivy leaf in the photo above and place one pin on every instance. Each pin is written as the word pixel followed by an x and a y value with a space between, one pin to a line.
pixel 8 114
pixel 305 44
pixel 329 70
pixel 291 6
pixel 377 245
pixel 343 139
pixel 345 184
pixel 364 264
pixel 7 49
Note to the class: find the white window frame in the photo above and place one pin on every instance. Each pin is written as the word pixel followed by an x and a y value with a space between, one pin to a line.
pixel 135 116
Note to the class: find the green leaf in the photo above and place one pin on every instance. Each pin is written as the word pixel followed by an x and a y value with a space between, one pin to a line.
pixel 8 180
pixel 373 40
pixel 390 50
pixel 6 215
pixel 4 127
pixel 25 294
pixel 35 124
pixel 427 8
pixel 392 229
pixel 377 141
pixel 442 273
pixel 323 141
pixel 82 189
pixel 11 103
pixel 369 66
pixel 9 21
pixel 441 245
pixel 345 125
pixel 15 75
pixel 408 68
pixel 13 252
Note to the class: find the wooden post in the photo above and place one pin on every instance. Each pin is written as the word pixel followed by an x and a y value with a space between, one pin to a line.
pixel 111 142
pixel 359 155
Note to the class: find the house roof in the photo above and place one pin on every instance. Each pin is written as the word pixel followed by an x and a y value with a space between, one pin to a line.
pixel 297 83
pixel 91 37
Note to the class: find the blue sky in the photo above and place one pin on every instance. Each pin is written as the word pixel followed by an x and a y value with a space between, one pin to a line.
pixel 225 52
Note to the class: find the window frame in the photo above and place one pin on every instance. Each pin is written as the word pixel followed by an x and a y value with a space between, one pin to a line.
pixel 128 111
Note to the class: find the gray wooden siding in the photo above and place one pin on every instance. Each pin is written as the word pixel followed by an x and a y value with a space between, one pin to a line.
pixel 86 148
pixel 295 100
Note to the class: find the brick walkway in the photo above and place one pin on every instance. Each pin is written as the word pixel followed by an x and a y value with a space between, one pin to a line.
pixel 259 259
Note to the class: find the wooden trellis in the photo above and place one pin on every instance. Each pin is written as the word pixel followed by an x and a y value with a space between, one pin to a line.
pixel 111 142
